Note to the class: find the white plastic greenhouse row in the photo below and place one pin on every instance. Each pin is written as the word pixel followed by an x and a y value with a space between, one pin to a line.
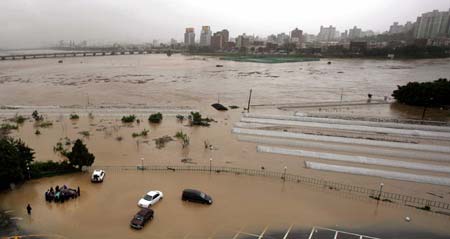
pixel 407 132
pixel 354 159
pixel 342 140
pixel 303 117
pixel 387 152
pixel 379 173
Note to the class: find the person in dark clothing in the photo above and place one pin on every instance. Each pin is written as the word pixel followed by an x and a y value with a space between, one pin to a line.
pixel 78 191
pixel 51 189
pixel 29 209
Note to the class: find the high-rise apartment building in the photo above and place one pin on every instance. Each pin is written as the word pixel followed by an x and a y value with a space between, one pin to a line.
pixel 220 39
pixel 189 37
pixel 354 33
pixel 326 34
pixel 205 36
pixel 217 41
pixel 433 24
pixel 242 41
pixel 297 36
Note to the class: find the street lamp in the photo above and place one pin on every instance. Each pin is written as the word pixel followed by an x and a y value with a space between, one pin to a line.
pixel 29 174
pixel 284 174
pixel 210 163
pixel 381 190
pixel 142 163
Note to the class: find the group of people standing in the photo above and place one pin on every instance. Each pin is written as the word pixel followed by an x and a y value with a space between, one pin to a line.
pixel 61 194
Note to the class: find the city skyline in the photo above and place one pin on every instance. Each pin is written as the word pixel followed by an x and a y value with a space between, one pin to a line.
pixel 143 21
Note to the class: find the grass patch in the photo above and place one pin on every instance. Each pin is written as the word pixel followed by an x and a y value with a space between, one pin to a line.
pixel 74 116
pixel 161 141
pixel 143 133
pixel 18 119
pixel 195 118
pixel 44 124
pixel 180 117
pixel 128 118
pixel 183 138
pixel 85 133
pixel 6 126
pixel 155 118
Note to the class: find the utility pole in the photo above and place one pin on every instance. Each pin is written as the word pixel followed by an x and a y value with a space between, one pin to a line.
pixel 249 99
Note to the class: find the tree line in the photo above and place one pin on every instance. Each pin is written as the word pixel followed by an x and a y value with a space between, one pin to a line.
pixel 430 94
pixel 17 162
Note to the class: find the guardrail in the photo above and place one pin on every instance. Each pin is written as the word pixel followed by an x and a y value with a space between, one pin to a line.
pixel 373 193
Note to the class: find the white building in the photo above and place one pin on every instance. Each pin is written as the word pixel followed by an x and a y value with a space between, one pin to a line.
pixel 433 24
pixel 189 37
pixel 205 36
pixel 327 34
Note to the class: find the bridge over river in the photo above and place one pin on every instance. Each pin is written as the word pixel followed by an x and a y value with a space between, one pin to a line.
pixel 86 53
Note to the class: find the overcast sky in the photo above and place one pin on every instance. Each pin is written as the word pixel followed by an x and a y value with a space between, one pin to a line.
pixel 32 23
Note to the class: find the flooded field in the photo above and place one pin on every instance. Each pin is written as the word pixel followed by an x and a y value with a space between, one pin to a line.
pixel 103 89
pixel 178 80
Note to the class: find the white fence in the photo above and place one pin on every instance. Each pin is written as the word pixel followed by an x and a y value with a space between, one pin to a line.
pixel 379 173
pixel 354 159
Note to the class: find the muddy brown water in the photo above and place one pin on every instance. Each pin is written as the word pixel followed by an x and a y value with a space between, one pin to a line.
pixel 187 80
pixel 241 202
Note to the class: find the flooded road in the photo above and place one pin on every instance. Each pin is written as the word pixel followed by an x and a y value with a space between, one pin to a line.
pixel 241 203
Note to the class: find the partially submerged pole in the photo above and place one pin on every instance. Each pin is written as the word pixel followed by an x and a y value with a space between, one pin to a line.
pixel 249 99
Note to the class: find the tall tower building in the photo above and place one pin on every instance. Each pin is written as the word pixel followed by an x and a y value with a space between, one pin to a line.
pixel 205 36
pixel 327 34
pixel 225 37
pixel 189 37
pixel 433 24
pixel 355 33
pixel 297 36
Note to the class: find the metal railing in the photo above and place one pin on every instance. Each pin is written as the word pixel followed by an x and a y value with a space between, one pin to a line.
pixel 373 193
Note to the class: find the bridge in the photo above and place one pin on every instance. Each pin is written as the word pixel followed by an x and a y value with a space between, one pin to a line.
pixel 86 54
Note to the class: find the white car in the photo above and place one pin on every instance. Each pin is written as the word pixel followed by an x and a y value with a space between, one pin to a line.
pixel 150 199
pixel 98 176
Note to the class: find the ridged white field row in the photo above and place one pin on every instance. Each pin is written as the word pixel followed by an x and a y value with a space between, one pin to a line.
pixel 354 159
pixel 304 118
pixel 360 128
pixel 342 140
pixel 379 173
pixel 399 153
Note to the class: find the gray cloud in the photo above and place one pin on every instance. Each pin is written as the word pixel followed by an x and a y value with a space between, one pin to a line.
pixel 31 23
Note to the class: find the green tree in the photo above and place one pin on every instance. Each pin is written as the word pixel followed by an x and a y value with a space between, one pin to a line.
pixel 15 157
pixel 80 156
pixel 436 93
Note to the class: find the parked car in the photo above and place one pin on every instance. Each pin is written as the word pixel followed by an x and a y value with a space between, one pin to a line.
pixel 193 195
pixel 98 176
pixel 150 199
pixel 141 218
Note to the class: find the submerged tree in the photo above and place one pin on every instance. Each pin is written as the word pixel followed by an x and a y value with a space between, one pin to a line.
pixel 80 156
pixel 15 158
pixel 436 93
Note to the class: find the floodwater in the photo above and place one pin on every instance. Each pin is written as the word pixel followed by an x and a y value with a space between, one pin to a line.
pixel 186 82
pixel 241 203
pixel 195 81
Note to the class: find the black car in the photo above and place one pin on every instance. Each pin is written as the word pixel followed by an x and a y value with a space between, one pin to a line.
pixel 193 195
pixel 141 218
